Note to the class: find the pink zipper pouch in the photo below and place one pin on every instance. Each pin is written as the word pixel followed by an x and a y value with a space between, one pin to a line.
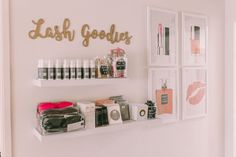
pixel 50 105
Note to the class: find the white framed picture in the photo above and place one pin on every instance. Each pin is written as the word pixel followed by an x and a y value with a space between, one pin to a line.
pixel 194 93
pixel 163 90
pixel 194 39
pixel 162 34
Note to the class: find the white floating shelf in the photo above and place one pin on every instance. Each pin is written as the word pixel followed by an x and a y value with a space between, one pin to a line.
pixel 95 131
pixel 83 82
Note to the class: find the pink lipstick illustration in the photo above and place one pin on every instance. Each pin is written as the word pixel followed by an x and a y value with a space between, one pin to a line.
pixel 196 92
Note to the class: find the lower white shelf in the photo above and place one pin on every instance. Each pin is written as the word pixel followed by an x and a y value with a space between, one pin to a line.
pixel 99 130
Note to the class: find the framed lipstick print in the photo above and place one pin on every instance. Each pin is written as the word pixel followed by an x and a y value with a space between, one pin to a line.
pixel 194 93
pixel 194 48
pixel 162 29
pixel 163 90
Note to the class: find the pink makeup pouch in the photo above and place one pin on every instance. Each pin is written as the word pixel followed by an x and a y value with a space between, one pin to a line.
pixel 50 105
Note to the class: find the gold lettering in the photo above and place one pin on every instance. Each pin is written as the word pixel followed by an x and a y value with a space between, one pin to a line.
pixel 68 34
pixel 34 34
pixel 128 38
pixel 58 35
pixel 94 34
pixel 52 32
pixel 102 34
pixel 85 34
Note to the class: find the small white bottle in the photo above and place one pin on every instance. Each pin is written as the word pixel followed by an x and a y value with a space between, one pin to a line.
pixel 51 70
pixel 78 69
pixel 59 70
pixel 42 70
pixel 86 69
pixel 92 69
pixel 66 69
pixel 72 69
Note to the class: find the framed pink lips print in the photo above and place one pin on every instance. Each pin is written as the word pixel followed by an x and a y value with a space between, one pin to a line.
pixel 194 93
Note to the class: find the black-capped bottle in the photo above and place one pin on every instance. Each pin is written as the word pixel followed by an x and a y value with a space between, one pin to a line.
pixel 72 69
pixel 42 70
pixel 78 69
pixel 59 70
pixel 66 69
pixel 51 70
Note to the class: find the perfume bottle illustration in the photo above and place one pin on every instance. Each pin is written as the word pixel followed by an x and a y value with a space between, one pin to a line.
pixel 164 99
pixel 163 40
pixel 195 40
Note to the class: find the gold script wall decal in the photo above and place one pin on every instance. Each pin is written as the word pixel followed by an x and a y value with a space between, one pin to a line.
pixel 112 36
pixel 52 32
pixel 64 32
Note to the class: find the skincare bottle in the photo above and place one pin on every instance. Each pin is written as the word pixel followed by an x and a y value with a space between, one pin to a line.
pixel 195 39
pixel 42 70
pixel 66 69
pixel 59 70
pixel 86 69
pixel 164 99
pixel 51 70
pixel 72 69
pixel 92 69
pixel 78 69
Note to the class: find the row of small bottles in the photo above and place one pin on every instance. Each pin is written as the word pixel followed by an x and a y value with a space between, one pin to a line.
pixel 66 69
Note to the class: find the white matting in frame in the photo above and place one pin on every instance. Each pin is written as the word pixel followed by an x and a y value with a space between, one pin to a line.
pixel 194 39
pixel 194 93
pixel 162 30
pixel 163 90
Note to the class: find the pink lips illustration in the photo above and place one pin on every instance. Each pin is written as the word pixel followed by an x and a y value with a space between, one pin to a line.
pixel 195 92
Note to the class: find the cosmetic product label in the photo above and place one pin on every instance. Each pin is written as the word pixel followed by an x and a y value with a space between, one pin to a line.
pixel 79 73
pixel 164 99
pixel 115 115
pixel 86 73
pixel 104 70
pixel 43 73
pixel 73 73
pixel 120 64
pixel 66 73
pixel 124 109
pixel 75 126
pixel 51 73
pixel 59 73
pixel 142 113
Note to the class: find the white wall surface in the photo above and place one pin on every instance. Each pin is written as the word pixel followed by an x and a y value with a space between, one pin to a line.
pixel 230 50
pixel 192 138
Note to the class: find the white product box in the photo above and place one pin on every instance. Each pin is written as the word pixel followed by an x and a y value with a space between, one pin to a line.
pixel 88 110
pixel 138 111
pixel 113 113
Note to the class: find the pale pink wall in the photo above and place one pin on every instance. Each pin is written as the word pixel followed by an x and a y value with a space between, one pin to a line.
pixel 193 138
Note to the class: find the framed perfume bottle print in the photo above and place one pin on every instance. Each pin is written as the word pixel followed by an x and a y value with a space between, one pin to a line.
pixel 194 93
pixel 163 90
pixel 162 29
pixel 194 33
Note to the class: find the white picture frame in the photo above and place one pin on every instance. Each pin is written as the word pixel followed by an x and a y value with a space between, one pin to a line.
pixel 194 39
pixel 156 77
pixel 194 92
pixel 162 37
